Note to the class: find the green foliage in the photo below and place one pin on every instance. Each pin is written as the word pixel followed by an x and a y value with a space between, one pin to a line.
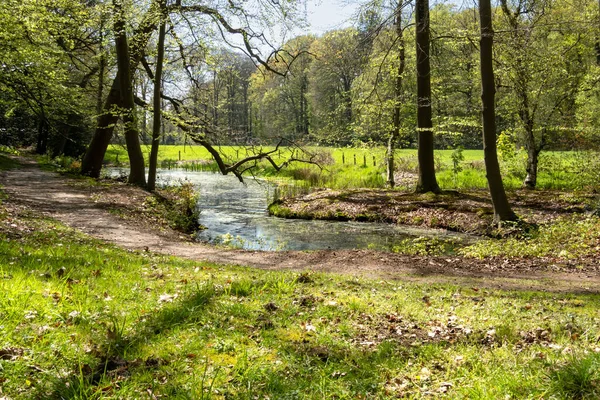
pixel 457 158
pixel 568 238
pixel 578 378
pixel 178 204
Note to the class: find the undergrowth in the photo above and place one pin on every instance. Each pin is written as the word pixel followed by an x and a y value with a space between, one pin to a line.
pixel 178 205
pixel 569 237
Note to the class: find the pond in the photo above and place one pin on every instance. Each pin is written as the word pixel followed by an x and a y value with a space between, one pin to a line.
pixel 235 213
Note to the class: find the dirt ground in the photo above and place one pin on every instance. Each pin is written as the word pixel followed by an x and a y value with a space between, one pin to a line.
pixel 85 208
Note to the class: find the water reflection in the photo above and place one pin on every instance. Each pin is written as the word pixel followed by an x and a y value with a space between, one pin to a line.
pixel 236 214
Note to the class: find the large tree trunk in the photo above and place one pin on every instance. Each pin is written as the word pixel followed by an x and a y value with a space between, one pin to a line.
pixel 427 181
pixel 105 125
pixel 502 209
pixel 137 173
pixel 92 161
pixel 157 104
pixel 397 98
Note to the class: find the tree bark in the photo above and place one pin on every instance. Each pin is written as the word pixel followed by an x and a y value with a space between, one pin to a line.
pixel 597 44
pixel 502 209
pixel 427 180
pixel 531 167
pixel 157 102
pixel 390 162
pixel 43 134
pixel 137 173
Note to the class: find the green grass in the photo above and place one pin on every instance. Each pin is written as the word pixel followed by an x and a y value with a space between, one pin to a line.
pixel 7 163
pixel 84 320
pixel 558 170
pixel 568 238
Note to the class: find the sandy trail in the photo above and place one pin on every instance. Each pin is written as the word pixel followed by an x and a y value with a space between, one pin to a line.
pixel 54 196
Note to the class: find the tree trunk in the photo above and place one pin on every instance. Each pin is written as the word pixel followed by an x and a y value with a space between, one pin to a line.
pixel 502 209
pixel 597 44
pixel 390 162
pixel 427 181
pixel 137 173
pixel 105 124
pixel 42 139
pixel 532 167
pixel 157 103
pixel 92 161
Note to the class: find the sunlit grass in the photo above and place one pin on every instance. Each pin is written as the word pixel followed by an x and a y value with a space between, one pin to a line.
pixel 342 168
pixel 82 319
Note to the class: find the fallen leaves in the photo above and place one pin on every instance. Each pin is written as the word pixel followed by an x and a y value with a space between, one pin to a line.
pixel 11 353
pixel 167 298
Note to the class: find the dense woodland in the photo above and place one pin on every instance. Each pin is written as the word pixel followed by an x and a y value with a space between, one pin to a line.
pixel 77 76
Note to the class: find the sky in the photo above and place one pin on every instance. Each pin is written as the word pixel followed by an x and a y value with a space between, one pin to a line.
pixel 325 15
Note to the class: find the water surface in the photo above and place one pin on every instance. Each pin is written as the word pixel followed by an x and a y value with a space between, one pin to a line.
pixel 235 213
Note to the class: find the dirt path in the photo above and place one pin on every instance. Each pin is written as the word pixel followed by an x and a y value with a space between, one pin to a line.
pixel 52 195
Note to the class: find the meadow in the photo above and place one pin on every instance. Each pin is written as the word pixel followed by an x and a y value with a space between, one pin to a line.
pixel 346 168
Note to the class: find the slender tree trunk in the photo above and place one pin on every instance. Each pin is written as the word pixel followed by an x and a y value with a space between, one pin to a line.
pixel 526 115
pixel 597 44
pixel 427 181
pixel 532 166
pixel 397 98
pixel 157 103
pixel 502 209
pixel 144 92
pixel 101 71
pixel 137 173
pixel 43 133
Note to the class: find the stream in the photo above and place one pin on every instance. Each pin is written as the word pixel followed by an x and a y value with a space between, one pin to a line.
pixel 236 214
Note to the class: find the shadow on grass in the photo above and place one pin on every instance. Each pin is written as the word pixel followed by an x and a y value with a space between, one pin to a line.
pixel 113 363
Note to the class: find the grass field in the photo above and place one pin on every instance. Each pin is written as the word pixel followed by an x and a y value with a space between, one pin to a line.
pixel 80 319
pixel 558 170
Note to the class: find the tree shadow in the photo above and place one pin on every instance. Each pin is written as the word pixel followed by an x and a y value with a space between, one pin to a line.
pixel 113 362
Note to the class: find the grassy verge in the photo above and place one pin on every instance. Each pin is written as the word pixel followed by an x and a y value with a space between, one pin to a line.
pixel 84 320
pixel 7 163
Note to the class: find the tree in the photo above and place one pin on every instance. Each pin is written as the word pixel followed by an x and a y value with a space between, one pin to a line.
pixel 502 209
pixel 280 102
pixel 339 60
pixel 541 67
pixel 194 14
pixel 106 121
pixel 46 53
pixel 398 97
pixel 160 55
pixel 427 180
pixel 137 172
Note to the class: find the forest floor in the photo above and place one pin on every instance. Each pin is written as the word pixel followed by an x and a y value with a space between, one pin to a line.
pixel 90 208
pixel 467 211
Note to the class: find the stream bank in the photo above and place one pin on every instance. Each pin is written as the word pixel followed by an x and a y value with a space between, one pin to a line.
pixel 86 207
pixel 468 212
